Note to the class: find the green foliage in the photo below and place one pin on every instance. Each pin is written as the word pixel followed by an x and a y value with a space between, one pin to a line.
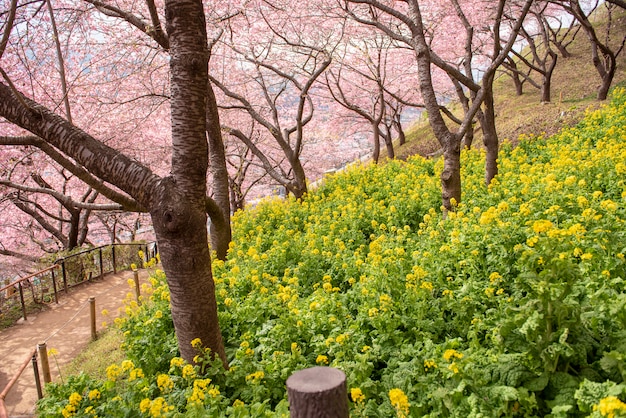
pixel 511 306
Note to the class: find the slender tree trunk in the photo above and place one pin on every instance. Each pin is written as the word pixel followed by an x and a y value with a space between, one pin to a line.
pixel 376 143
pixel 398 125
pixel 298 185
pixel 490 136
pixel 468 139
pixel 514 72
pixel 546 86
pixel 391 153
pixel 220 236
pixel 72 233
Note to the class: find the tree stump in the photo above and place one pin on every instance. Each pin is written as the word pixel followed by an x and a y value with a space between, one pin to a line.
pixel 318 392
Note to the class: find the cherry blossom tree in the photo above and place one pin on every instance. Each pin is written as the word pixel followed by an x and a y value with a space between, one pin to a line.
pixel 368 80
pixel 603 53
pixel 266 72
pixel 177 202
pixel 406 22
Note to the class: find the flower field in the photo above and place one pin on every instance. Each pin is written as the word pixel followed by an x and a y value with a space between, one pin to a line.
pixel 514 305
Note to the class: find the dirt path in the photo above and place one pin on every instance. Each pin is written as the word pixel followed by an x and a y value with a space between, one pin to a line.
pixel 64 327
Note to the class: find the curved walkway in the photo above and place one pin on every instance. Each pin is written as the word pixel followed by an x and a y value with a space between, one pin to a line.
pixel 64 327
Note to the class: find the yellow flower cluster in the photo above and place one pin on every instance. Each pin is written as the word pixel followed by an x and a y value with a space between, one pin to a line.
pixel 255 377
pixel 357 395
pixel 156 408
pixel 611 407
pixel 71 408
pixel 400 402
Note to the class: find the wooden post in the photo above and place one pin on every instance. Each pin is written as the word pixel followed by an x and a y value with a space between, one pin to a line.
pixel 92 309
pixel 54 286
pixel 19 285
pixel 137 292
pixel 113 258
pixel 101 268
pixel 318 392
pixel 64 276
pixel 37 379
pixel 45 364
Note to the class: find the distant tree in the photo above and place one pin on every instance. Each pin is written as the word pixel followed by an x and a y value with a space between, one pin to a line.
pixel 266 74
pixel 368 83
pixel 603 53
pixel 539 43
pixel 404 22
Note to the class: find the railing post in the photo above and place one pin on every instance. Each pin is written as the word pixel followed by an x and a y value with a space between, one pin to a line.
pixel 92 310
pixel 37 380
pixel 54 287
pixel 137 292
pixel 318 392
pixel 101 270
pixel 19 285
pixel 64 275
pixel 113 258
pixel 45 364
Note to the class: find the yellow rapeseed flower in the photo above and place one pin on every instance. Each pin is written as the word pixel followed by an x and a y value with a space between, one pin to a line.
pixel 357 395
pixel 609 406
pixel 189 372
pixel 321 359
pixel 451 354
pixel 400 402
pixel 165 383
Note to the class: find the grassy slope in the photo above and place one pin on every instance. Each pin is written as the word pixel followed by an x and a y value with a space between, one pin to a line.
pixel 574 86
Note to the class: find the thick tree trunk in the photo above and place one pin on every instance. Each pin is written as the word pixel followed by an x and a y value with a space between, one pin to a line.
pixel 177 203
pixel 178 207
pixel 180 227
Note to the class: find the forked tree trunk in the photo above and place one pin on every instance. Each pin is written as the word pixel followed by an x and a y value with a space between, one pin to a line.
pixel 546 86
pixel 184 251
pixel 450 142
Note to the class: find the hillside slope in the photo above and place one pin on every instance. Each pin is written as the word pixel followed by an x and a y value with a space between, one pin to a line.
pixel 574 86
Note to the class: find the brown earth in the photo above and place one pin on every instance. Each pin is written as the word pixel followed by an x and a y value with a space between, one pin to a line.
pixel 65 327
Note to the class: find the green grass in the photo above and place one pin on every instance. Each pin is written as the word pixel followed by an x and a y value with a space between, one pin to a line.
pixel 98 355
